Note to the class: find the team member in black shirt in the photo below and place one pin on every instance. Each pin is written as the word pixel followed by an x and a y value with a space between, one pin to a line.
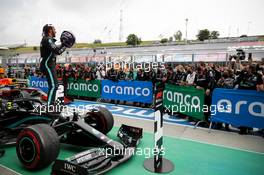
pixel 249 79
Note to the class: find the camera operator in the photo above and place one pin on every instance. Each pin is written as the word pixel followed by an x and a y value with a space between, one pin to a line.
pixel 238 66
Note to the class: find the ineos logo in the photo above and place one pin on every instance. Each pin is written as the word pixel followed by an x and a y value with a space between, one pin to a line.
pixel 70 167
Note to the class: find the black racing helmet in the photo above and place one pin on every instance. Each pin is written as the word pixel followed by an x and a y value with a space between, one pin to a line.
pixel 46 28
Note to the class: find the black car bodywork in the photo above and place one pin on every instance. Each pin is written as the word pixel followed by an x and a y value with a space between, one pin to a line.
pixel 36 136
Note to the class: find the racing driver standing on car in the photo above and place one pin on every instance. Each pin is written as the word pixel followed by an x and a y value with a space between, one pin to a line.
pixel 48 52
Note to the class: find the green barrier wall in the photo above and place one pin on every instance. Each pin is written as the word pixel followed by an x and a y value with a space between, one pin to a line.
pixel 84 88
pixel 185 100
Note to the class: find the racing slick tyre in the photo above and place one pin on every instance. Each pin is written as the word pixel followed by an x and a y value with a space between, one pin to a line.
pixel 101 119
pixel 37 146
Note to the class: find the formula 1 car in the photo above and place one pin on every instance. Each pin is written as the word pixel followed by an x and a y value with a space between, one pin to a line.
pixel 13 92
pixel 38 135
pixel 12 81
pixel 100 160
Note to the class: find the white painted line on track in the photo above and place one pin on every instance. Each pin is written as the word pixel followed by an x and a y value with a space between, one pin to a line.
pixel 8 171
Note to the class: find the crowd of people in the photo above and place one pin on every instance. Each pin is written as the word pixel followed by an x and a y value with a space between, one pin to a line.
pixel 245 75
pixel 207 76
